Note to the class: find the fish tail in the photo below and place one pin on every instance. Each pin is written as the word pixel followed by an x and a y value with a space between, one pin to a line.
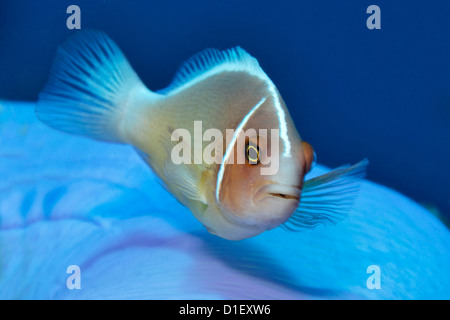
pixel 92 90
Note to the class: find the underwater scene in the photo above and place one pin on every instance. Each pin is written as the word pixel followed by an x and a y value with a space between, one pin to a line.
pixel 224 150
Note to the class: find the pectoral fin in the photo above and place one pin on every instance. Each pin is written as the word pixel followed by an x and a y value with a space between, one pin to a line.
pixel 186 179
pixel 327 198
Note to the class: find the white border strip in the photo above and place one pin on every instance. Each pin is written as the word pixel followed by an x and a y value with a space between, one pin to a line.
pixel 231 145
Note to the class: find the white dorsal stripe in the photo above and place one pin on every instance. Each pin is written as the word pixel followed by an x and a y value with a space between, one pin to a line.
pixel 211 62
pixel 231 145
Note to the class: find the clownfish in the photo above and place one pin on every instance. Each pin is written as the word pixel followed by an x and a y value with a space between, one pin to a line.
pixel 94 92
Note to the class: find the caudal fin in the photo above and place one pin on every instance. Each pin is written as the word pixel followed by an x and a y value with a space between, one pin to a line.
pixel 92 89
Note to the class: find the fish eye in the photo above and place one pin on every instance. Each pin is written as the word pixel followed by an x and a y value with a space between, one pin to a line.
pixel 252 153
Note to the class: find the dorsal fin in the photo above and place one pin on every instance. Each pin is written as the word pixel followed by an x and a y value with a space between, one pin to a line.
pixel 213 61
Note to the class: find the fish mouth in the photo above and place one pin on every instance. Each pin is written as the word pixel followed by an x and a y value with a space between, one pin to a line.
pixel 281 191
pixel 284 196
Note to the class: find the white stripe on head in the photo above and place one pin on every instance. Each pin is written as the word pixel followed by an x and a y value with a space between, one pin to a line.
pixel 231 145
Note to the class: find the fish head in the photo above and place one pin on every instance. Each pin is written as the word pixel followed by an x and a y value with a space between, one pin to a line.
pixel 261 186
